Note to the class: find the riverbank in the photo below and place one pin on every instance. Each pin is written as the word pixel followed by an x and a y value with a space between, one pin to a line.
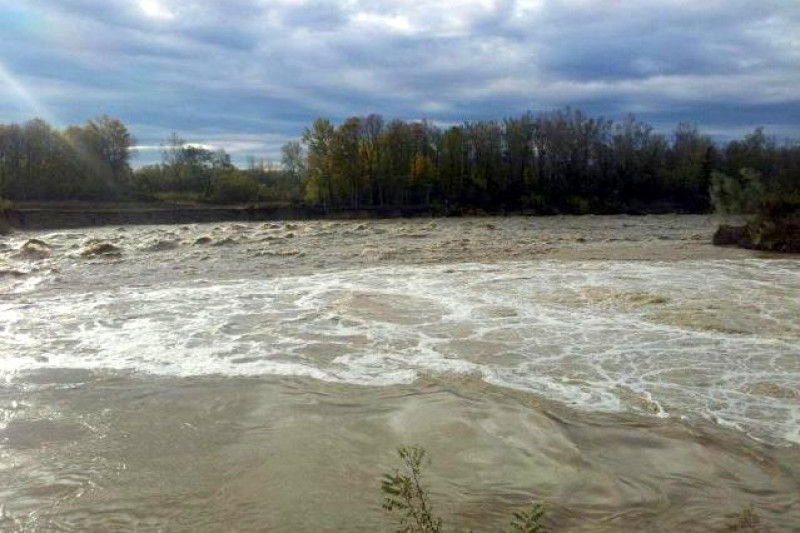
pixel 71 215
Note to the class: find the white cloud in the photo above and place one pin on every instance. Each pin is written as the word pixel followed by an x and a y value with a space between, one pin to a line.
pixel 206 68
pixel 154 9
pixel 377 22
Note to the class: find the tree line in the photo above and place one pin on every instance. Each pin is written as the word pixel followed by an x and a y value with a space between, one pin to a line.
pixel 89 162
pixel 559 161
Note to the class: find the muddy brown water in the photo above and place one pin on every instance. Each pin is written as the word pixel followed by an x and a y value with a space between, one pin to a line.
pixel 259 377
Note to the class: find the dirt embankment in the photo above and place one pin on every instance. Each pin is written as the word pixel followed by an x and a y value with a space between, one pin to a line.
pixel 80 214
pixel 71 216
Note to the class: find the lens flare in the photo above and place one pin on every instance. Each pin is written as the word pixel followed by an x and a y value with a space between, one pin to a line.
pixel 24 95
pixel 38 109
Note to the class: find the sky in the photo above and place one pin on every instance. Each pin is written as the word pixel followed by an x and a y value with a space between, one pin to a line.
pixel 249 75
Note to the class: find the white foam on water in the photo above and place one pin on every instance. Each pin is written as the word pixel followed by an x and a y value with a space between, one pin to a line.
pixel 717 339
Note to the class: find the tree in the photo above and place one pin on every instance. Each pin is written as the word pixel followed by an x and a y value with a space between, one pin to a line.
pixel 346 165
pixel 319 189
pixel 293 160
pixel 452 164
pixel 11 160
pixel 736 195
pixel 559 161
pixel 688 169
pixel 112 143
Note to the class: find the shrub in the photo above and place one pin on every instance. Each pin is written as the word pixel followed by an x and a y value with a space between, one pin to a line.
pixel 745 520
pixel 177 197
pixel 5 225
pixel 776 227
pixel 577 205
pixel 530 521
pixel 736 195
pixel 233 188
pixel 405 493
pixel 775 207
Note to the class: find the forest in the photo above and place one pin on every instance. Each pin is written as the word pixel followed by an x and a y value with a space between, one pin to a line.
pixel 561 161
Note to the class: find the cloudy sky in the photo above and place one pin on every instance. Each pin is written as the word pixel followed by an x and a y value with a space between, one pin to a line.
pixel 247 75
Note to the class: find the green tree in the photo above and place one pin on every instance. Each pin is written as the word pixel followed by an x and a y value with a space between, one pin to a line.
pixel 293 160
pixel 318 138
pixel 742 194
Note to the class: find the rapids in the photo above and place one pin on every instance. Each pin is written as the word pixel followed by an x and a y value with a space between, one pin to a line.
pixel 619 368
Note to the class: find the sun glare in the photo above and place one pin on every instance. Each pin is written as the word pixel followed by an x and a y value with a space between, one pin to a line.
pixel 154 9
pixel 24 95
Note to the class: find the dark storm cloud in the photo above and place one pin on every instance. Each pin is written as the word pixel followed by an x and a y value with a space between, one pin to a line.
pixel 249 74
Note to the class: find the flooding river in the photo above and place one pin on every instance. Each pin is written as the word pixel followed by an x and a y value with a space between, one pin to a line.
pixel 260 377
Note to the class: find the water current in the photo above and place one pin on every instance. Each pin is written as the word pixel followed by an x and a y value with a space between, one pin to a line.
pixel 260 376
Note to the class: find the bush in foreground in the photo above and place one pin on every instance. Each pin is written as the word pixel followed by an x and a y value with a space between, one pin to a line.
pixel 406 496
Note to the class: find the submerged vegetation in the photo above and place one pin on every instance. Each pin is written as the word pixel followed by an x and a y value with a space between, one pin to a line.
pixel 772 210
pixel 405 495
pixel 775 226
pixel 556 162
pixel 410 502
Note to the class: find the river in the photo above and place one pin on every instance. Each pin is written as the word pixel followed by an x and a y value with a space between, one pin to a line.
pixel 260 376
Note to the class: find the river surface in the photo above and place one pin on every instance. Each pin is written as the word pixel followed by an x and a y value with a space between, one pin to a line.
pixel 260 377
